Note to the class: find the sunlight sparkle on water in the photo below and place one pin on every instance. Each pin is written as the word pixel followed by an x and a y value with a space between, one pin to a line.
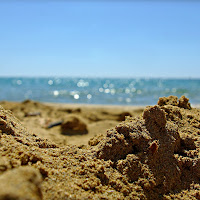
pixel 50 82
pixel 19 82
pixel 82 83
pixel 89 96
pixel 76 96
pixel 56 93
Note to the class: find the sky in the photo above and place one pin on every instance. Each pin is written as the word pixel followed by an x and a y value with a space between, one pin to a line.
pixel 100 39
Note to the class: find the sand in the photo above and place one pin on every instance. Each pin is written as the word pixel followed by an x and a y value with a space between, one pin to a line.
pixel 56 151
pixel 36 117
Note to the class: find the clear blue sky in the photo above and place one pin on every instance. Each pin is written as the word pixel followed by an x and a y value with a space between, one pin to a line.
pixel 113 39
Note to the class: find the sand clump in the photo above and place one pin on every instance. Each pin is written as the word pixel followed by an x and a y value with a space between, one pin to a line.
pixel 152 156
pixel 183 102
pixel 74 125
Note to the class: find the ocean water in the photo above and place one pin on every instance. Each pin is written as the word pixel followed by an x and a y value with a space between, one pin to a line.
pixel 115 91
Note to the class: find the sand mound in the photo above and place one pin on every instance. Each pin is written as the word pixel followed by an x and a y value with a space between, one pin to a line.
pixel 154 156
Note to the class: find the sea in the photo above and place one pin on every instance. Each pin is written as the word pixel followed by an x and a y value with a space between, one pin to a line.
pixel 112 91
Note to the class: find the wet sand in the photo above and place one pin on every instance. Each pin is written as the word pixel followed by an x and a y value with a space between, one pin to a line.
pixel 60 151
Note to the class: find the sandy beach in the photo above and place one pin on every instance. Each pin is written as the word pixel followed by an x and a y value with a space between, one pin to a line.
pixel 79 151
pixel 88 120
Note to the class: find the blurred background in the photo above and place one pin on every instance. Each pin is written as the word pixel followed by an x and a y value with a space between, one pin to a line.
pixel 102 52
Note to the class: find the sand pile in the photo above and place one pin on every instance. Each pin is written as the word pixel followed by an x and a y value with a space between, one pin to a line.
pixel 153 156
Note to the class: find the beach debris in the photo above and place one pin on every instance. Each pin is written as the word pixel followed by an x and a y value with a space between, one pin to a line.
pixel 71 110
pixel 48 123
pixel 53 124
pixel 74 125
pixel 31 114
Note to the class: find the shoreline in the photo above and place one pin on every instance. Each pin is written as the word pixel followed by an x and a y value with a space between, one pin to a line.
pixel 79 104
pixel 96 106
pixel 118 106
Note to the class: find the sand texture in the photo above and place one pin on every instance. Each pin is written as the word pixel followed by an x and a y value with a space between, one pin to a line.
pixel 78 122
pixel 68 153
